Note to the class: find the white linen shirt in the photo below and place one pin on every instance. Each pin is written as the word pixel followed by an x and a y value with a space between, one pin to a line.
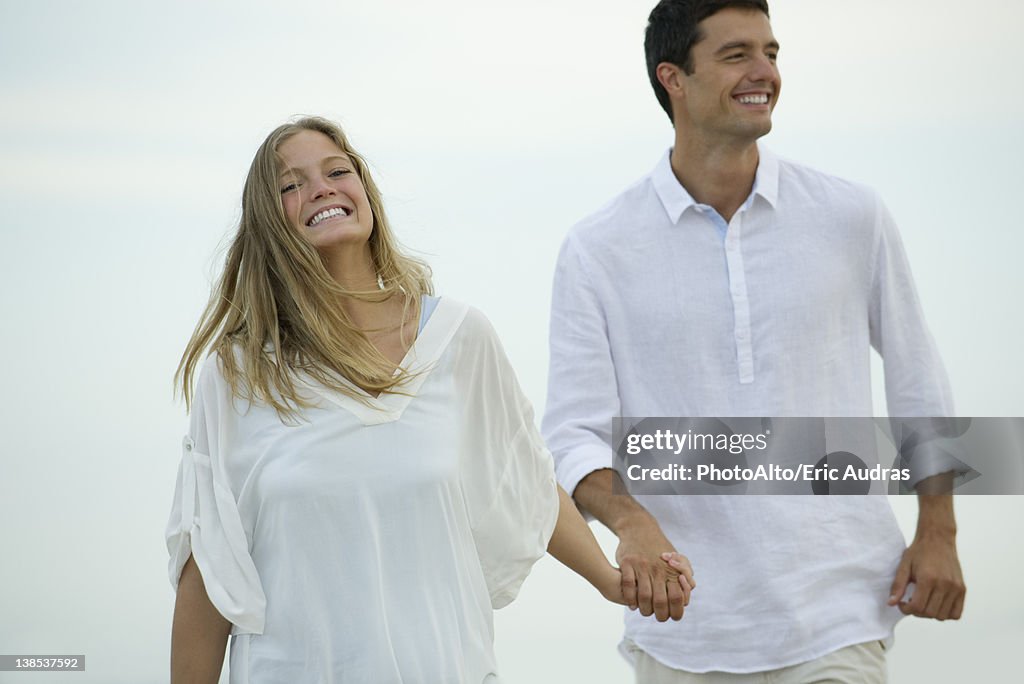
pixel 369 542
pixel 654 314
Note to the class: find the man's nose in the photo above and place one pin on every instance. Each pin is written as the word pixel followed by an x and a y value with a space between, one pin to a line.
pixel 762 69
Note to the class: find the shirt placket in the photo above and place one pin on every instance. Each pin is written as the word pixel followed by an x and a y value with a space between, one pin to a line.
pixel 740 301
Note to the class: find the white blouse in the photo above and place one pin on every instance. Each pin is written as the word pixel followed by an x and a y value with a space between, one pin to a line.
pixel 369 542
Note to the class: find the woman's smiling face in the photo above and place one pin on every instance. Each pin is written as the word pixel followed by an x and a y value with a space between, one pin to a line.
pixel 322 195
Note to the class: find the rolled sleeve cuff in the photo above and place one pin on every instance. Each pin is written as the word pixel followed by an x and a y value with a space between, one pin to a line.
pixel 582 461
pixel 934 459
pixel 210 529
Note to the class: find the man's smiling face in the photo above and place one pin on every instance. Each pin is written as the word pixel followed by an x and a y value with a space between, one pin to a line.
pixel 735 82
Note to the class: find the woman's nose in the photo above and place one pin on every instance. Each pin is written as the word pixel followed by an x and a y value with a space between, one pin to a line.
pixel 321 188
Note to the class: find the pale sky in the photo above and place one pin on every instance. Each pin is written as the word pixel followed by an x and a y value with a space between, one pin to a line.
pixel 126 129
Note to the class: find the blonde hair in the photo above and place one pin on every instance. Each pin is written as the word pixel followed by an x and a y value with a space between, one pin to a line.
pixel 275 308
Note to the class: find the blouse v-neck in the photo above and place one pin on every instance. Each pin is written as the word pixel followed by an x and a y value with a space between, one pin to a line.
pixel 419 360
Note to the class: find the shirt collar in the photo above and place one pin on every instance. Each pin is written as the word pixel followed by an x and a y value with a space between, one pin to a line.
pixel 675 198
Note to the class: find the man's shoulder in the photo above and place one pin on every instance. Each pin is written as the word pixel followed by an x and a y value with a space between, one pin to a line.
pixel 616 215
pixel 807 182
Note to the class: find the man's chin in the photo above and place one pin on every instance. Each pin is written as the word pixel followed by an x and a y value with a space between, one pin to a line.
pixel 759 129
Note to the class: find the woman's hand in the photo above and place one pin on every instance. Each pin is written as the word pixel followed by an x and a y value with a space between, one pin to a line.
pixel 609 583
pixel 680 564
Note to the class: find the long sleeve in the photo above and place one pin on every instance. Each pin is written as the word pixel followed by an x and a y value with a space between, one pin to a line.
pixel 204 519
pixel 916 384
pixel 582 390
pixel 507 477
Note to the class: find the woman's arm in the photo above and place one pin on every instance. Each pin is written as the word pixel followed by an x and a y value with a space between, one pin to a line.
pixel 574 545
pixel 199 633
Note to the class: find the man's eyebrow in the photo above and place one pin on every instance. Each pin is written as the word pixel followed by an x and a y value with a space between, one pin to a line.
pixel 744 45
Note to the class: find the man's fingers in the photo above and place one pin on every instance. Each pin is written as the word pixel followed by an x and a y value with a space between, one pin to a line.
pixel 958 607
pixel 952 594
pixel 644 592
pixel 899 584
pixel 946 607
pixel 660 597
pixel 629 585
pixel 917 603
pixel 656 587
pixel 676 597
pixel 933 609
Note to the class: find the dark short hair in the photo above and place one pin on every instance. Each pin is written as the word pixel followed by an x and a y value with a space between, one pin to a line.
pixel 672 31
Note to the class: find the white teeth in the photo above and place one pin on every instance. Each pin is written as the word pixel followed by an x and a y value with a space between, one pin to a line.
pixel 326 214
pixel 753 99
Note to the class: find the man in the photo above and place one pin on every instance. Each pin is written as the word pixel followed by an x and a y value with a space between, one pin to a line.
pixel 728 282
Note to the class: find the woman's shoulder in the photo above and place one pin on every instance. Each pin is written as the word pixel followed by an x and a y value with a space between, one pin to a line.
pixel 220 364
pixel 477 345
pixel 467 321
pixel 211 368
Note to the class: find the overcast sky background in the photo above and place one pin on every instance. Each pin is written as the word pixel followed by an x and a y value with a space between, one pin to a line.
pixel 126 129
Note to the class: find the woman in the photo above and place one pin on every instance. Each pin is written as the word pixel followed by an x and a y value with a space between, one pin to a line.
pixel 362 480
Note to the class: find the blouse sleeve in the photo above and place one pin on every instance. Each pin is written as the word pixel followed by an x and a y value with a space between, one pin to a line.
pixel 508 478
pixel 205 521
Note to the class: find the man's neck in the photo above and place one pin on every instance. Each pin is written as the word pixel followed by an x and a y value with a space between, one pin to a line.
pixel 718 176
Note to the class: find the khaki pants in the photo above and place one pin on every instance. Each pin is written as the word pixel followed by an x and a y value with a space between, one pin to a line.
pixel 857 664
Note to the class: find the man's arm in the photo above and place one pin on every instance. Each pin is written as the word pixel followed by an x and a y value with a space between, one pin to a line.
pixel 648 583
pixel 583 397
pixel 931 561
pixel 916 385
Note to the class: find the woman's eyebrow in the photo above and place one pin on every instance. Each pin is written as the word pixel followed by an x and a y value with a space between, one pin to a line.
pixel 326 160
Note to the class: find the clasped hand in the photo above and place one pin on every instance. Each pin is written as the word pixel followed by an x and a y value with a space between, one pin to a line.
pixel 654 579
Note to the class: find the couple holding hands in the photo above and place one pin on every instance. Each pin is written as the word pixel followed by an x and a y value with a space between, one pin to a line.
pixel 362 481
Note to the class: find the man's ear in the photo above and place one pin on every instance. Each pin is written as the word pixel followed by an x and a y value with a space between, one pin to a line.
pixel 671 76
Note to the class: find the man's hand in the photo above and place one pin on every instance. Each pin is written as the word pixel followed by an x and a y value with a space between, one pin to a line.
pixel 931 562
pixel 655 579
